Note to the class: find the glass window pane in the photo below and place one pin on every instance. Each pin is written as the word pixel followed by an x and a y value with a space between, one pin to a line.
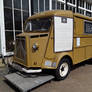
pixel 8 3
pixel 38 25
pixel 41 5
pixel 80 11
pixel 88 14
pixel 62 6
pixel 70 1
pixel 9 41
pixel 73 9
pixel 17 4
pixel 73 1
pixel 46 4
pixel 53 4
pixel 16 33
pixel 69 7
pixel 35 6
pixel 58 5
pixel 25 16
pixel 17 16
pixel 25 5
pixel 81 3
pixel 88 6
pixel 88 27
pixel 8 19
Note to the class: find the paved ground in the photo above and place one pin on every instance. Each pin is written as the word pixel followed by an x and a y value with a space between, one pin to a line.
pixel 79 80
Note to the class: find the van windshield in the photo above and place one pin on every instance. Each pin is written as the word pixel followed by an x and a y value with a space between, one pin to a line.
pixel 42 24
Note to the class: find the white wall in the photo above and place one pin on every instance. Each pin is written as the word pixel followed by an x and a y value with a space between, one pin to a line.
pixel 2 30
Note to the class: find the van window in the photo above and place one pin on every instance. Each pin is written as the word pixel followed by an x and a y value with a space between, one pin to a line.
pixel 38 25
pixel 88 27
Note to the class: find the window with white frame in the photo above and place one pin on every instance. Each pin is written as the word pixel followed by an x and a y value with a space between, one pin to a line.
pixel 81 11
pixel 44 5
pixel 40 6
pixel 81 3
pixel 34 6
pixel 62 6
pixel 54 4
pixel 71 1
pixel 15 14
pixel 88 6
pixel 58 5
pixel 47 5
pixel 71 8
pixel 8 11
pixel 88 14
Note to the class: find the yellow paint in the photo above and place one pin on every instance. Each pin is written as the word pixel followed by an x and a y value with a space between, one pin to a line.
pixel 46 44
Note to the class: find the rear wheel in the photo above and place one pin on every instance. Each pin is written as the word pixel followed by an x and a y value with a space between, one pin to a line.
pixel 63 69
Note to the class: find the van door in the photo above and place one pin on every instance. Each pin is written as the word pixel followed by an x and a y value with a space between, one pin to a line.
pixel 79 41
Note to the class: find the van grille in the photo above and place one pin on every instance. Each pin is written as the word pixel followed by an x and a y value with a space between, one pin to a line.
pixel 20 48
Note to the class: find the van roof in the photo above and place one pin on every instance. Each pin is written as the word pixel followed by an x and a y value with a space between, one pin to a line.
pixel 53 13
pixel 82 16
pixel 65 13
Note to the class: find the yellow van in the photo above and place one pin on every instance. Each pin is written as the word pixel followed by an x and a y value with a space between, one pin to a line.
pixel 53 40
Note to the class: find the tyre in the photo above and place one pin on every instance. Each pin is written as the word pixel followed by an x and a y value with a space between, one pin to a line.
pixel 63 69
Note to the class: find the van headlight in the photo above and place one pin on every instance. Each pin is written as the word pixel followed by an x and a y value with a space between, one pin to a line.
pixel 35 47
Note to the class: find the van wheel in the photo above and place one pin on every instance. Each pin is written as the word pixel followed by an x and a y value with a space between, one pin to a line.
pixel 63 69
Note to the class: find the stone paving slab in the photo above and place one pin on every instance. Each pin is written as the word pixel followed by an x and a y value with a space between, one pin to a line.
pixel 25 84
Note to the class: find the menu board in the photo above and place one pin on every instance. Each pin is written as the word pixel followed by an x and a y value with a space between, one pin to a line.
pixel 88 27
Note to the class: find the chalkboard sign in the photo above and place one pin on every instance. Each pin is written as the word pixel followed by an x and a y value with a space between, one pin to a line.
pixel 88 27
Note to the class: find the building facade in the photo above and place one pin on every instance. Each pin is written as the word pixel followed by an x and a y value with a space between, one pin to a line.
pixel 13 14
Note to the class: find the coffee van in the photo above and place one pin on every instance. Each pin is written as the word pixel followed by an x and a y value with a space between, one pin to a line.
pixel 53 40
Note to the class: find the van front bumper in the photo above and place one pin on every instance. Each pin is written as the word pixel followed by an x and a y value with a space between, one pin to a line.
pixel 23 69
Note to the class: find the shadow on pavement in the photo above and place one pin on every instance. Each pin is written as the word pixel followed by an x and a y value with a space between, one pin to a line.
pixel 11 86
pixel 87 62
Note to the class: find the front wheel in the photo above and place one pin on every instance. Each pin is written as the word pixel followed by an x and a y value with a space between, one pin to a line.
pixel 63 69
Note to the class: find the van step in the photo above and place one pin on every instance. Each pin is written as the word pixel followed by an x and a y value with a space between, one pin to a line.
pixel 25 84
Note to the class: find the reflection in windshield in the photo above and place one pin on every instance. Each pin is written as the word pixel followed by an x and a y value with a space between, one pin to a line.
pixel 38 25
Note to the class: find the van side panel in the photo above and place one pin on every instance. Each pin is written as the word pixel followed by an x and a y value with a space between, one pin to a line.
pixel 89 52
pixel 82 42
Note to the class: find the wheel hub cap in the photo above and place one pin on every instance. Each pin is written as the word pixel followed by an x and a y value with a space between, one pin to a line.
pixel 64 69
